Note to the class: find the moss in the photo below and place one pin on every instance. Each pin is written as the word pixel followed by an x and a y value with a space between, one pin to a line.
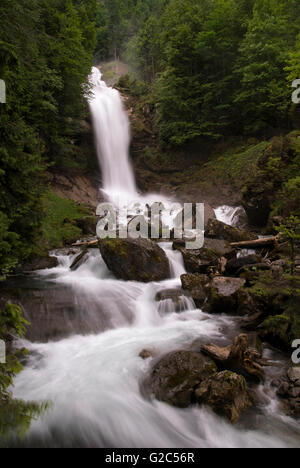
pixel 237 162
pixel 59 225
pixel 279 299
pixel 117 245
pixel 276 329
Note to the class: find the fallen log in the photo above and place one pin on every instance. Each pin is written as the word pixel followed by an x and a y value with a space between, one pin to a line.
pixel 256 244
pixel 238 357
pixel 86 243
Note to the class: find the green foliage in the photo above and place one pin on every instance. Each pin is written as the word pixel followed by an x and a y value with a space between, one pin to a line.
pixel 216 68
pixel 45 57
pixel 59 224
pixel 15 415
pixel 132 86
pixel 290 231
pixel 263 97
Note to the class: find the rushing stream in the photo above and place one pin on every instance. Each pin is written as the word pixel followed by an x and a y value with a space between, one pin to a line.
pixel 92 374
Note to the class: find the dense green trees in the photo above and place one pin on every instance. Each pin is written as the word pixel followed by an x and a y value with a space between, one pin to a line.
pixel 216 67
pixel 264 96
pixel 46 54
pixel 213 67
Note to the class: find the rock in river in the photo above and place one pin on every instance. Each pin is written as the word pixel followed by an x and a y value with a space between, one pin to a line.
pixel 223 295
pixel 174 377
pixel 135 259
pixel 226 393
pixel 218 230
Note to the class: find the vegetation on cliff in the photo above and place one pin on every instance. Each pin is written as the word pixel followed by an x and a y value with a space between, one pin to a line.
pixel 46 54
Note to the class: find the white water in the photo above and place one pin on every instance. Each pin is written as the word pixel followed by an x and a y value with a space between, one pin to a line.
pixel 112 136
pixel 94 381
pixel 234 216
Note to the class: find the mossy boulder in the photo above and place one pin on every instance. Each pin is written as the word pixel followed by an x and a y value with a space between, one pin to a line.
pixel 223 295
pixel 135 259
pixel 281 330
pixel 276 300
pixel 218 230
pixel 174 377
pixel 226 393
pixel 195 285
pixel 209 256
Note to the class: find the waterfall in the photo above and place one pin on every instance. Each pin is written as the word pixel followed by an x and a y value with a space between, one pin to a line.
pixel 233 215
pixel 112 138
pixel 92 373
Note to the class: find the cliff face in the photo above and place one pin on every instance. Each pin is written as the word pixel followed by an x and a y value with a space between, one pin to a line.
pixel 179 173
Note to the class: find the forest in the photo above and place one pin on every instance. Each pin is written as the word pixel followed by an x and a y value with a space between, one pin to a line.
pixel 210 68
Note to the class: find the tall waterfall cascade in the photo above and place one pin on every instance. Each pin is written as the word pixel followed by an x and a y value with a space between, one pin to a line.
pixel 92 375
pixel 112 137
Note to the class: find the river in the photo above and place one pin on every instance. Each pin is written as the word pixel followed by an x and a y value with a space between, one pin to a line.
pixel 91 327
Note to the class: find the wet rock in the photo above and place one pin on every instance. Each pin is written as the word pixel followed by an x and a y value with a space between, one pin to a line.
pixel 223 295
pixel 238 357
pixel 288 389
pixel 199 261
pixel 176 296
pixel 217 229
pixel 195 285
pixel 256 203
pixel 39 263
pixel 135 259
pixel 79 260
pixel 226 393
pixel 147 353
pixel 235 265
pixel 174 377
pixel 204 259
pixel 56 312
pixel 294 375
pixel 278 267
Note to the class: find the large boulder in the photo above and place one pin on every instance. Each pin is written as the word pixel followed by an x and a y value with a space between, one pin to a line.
pixel 174 377
pixel 223 295
pixel 195 285
pixel 218 230
pixel 226 393
pixel 135 259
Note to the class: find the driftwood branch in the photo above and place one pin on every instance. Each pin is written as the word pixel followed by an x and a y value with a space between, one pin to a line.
pixel 257 243
pixel 86 243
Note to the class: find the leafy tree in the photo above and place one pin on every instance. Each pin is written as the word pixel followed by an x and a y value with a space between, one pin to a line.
pixel 263 98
